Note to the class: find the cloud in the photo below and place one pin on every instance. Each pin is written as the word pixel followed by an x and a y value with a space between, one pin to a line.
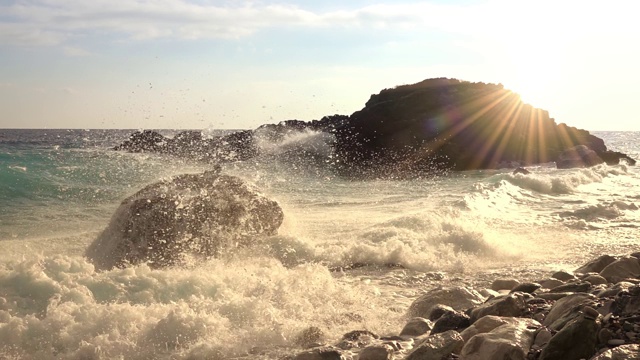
pixel 76 51
pixel 52 22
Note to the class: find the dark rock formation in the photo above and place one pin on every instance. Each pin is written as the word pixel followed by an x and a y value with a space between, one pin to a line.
pixel 577 157
pixel 414 129
pixel 189 215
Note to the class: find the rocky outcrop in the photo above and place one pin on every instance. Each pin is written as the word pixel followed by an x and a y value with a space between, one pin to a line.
pixel 414 129
pixel 453 124
pixel 578 156
pixel 192 215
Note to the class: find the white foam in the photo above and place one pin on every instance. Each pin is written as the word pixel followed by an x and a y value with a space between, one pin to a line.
pixel 59 307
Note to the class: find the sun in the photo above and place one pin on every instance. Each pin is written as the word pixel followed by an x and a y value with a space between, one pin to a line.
pixel 533 74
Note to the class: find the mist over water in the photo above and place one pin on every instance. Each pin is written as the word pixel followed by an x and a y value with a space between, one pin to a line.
pixel 349 255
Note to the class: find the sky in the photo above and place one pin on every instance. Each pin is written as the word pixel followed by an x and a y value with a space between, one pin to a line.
pixel 235 64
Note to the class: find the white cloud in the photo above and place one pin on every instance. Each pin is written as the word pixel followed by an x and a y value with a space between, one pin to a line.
pixel 50 22
pixel 76 51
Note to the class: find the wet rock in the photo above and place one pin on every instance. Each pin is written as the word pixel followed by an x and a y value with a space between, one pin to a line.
pixel 451 321
pixel 526 288
pixel 542 338
pixel 310 337
pixel 490 322
pixel 577 157
pixel 624 352
pixel 628 302
pixel 438 346
pixel 507 305
pixel 509 341
pixel 417 327
pixel 621 269
pixel 377 352
pixel 189 216
pixel 615 289
pixel 596 280
pixel 459 298
pixel 565 309
pixel 551 283
pixel 553 296
pixel 327 353
pixel 597 265
pixel 577 340
pixel 438 311
pixel 357 339
pixel 504 284
pixel 563 276
pixel 578 287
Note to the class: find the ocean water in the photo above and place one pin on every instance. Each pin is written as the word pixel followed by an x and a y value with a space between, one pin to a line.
pixel 350 254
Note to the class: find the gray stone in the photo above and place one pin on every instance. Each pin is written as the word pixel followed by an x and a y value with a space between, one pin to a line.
pixel 624 352
pixel 438 311
pixel 596 280
pixel 459 298
pixel 417 327
pixel 188 216
pixel 597 265
pixel 526 288
pixel 577 340
pixel 504 284
pixel 615 289
pixel 490 322
pixel 553 296
pixel 376 352
pixel 563 276
pixel 551 283
pixel 627 303
pixel 438 346
pixel 621 269
pixel 565 309
pixel 542 338
pixel 507 305
pixel 579 287
pixel 451 321
pixel 310 337
pixel 509 341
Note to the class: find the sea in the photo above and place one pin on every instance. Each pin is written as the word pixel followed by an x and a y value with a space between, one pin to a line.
pixel 350 254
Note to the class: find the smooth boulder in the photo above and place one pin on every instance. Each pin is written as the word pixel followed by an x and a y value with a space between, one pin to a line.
pixel 459 298
pixel 191 215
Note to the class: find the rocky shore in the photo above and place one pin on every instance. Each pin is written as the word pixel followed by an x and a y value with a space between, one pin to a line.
pixel 592 313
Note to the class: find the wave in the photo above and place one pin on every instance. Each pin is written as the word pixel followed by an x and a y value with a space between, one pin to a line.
pixel 560 182
pixel 60 307
pixel 449 241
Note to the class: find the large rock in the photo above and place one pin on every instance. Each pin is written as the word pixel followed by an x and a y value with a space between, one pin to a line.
pixel 490 322
pixel 624 268
pixel 437 347
pixel 459 298
pixel 509 341
pixel 578 156
pixel 453 124
pixel 507 305
pixel 596 265
pixel 577 340
pixel 566 309
pixel 189 215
